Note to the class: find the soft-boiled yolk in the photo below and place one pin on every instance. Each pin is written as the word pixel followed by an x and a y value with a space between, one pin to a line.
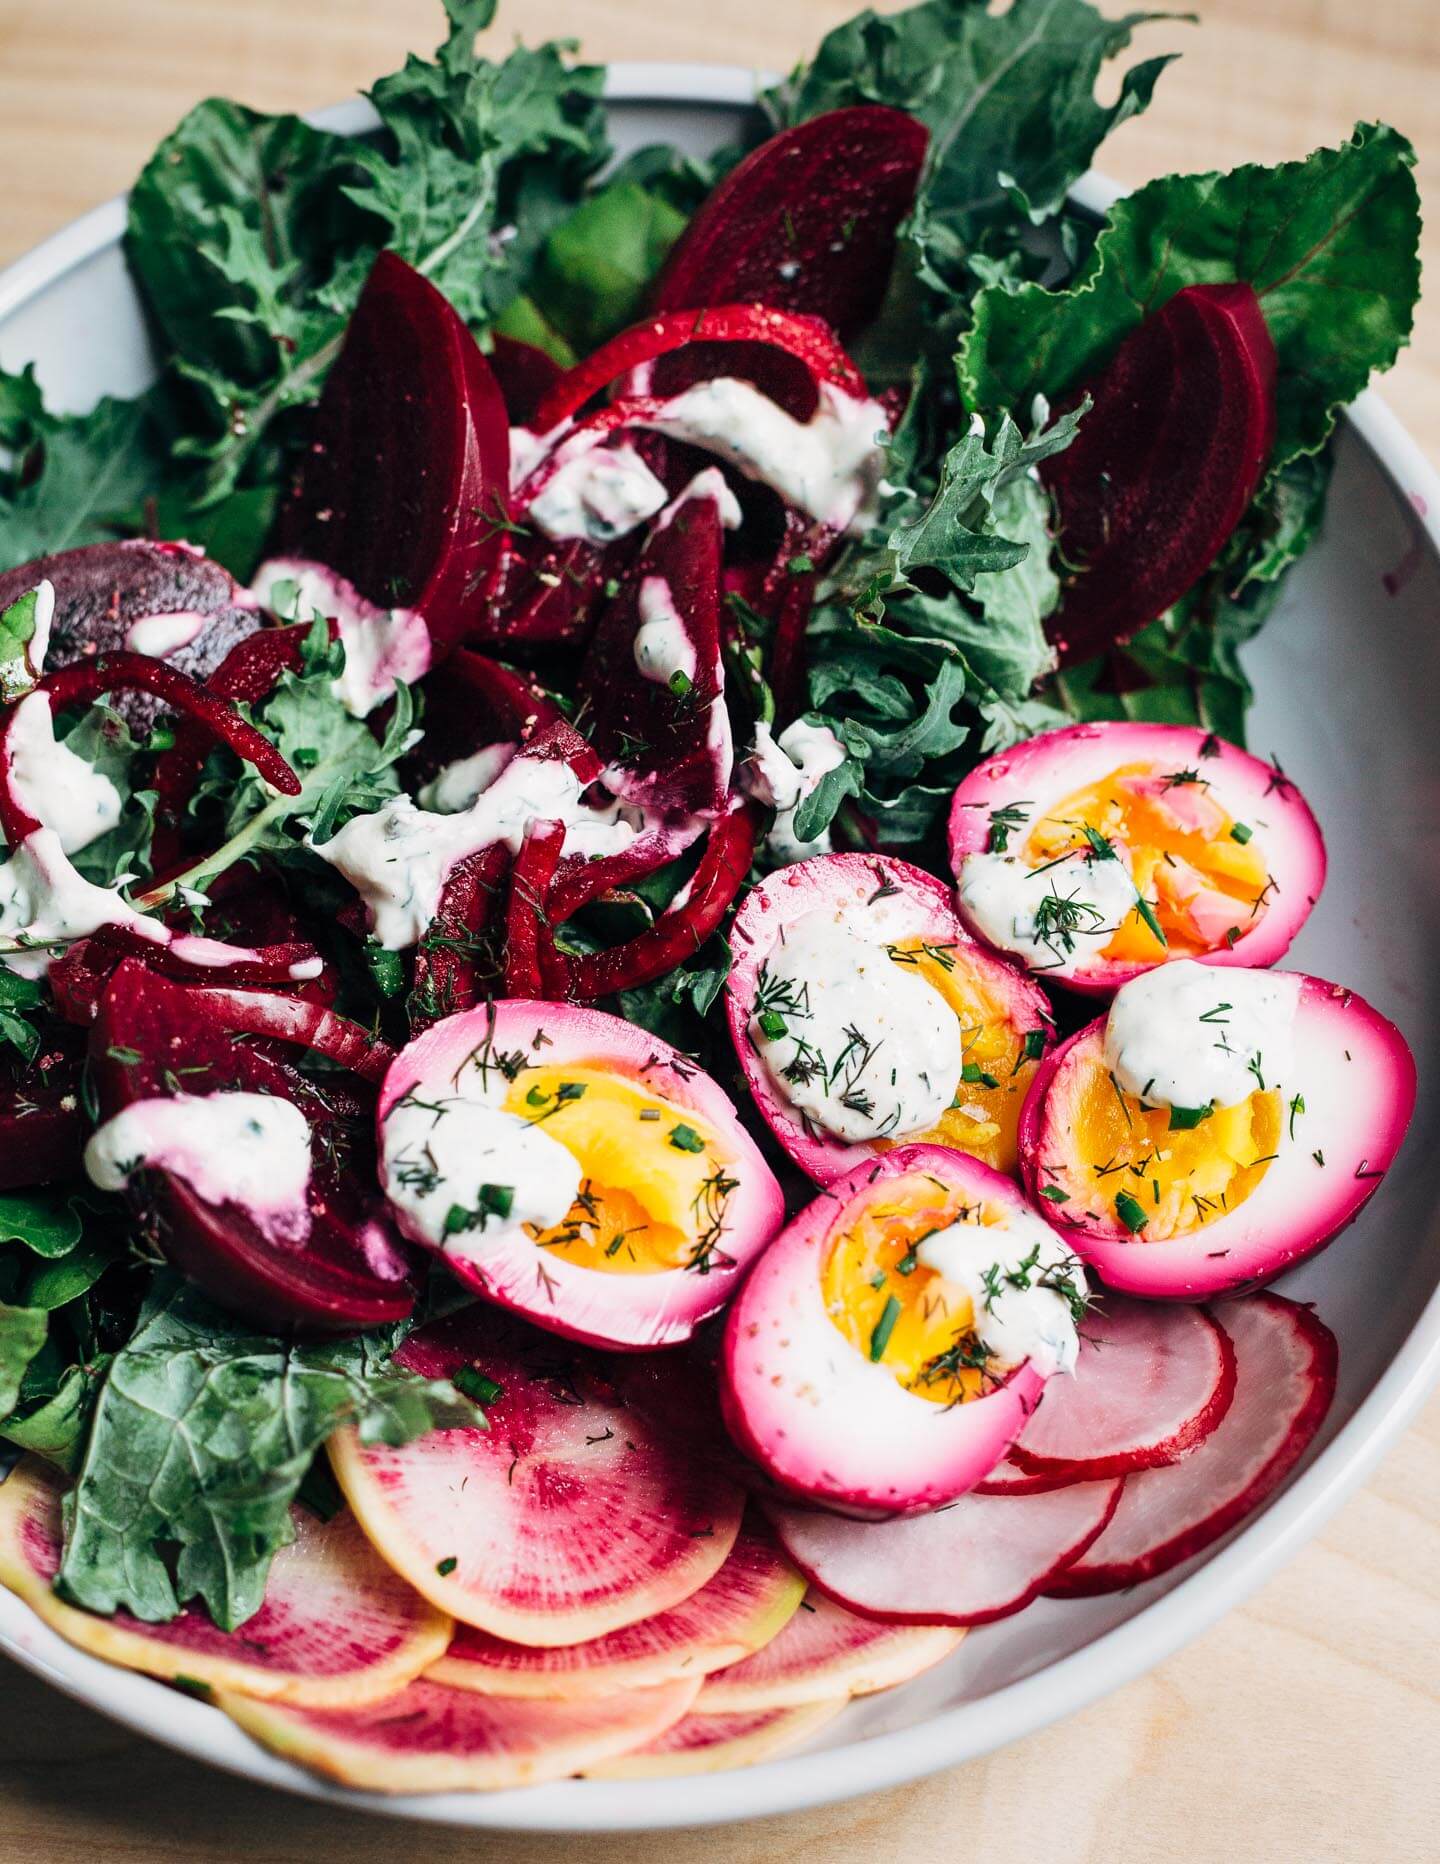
pixel 1197 865
pixel 998 1061
pixel 656 1179
pixel 1127 1163
pixel 893 1309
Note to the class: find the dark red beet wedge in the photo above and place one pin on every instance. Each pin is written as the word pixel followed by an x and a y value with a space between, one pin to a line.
pixel 525 374
pixel 806 222
pixel 351 1272
pixel 1164 465
pixel 104 590
pixel 667 742
pixel 403 489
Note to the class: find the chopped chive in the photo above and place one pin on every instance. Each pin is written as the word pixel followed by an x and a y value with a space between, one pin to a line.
pixel 446 1566
pixel 474 1384
pixel 536 1097
pixel 681 685
pixel 1131 1212
pixel 686 1139
pixel 1054 1194
pixel 884 1327
pixel 800 566
pixel 1147 913
pixel 1185 1119
pixel 877 1280
pixel 1034 1044
pixel 1241 832
pixel 772 1024
pixel 975 1076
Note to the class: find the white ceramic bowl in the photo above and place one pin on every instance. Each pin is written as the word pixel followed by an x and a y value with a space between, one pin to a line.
pixel 1347 672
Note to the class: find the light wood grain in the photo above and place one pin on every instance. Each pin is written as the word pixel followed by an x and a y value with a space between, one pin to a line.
pixel 1306 1726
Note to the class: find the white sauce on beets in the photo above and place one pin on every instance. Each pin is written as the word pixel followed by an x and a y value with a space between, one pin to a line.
pixel 784 772
pixel 1011 1272
pixel 1192 1035
pixel 247 1149
pixel 399 857
pixel 596 492
pixel 383 646
pixel 1089 897
pixel 52 784
pixel 160 636
pixel 465 1175
pixel 663 647
pixel 46 904
pixel 863 1048
pixel 455 786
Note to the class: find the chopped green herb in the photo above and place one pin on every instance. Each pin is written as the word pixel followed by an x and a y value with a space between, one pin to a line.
pixel 474 1384
pixel 772 1025
pixel 1054 1194
pixel 1131 1212
pixel 975 1076
pixel 884 1327
pixel 1239 831
pixel 446 1566
pixel 1186 1119
pixel 686 1139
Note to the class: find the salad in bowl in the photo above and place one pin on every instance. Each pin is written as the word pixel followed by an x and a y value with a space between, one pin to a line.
pixel 648 1062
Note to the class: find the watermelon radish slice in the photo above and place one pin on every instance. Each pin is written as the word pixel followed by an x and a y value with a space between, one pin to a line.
pixel 1286 1361
pixel 570 1517
pixel 1150 1386
pixel 1002 1019
pixel 823 1652
pixel 748 1602
pixel 705 1743
pixel 1166 461
pixel 653 1148
pixel 350 1270
pixel 429 1739
pixel 806 222
pixel 1008 1478
pixel 337 1627
pixel 1222 845
pixel 867 1419
pixel 653 672
pixel 405 480
pixel 164 600
pixel 1337 1122
pixel 984 1558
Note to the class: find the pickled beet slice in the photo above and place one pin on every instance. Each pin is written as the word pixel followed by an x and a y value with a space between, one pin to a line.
pixel 351 1271
pixel 1165 463
pixel 403 489
pixel 807 222
pixel 666 741
pixel 525 374
pixel 105 594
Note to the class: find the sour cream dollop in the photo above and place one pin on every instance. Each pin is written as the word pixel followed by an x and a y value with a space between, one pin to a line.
pixel 1194 1035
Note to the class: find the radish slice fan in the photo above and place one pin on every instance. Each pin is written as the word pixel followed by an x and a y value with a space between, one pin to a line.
pixel 1285 1379
pixel 823 1651
pixel 704 1743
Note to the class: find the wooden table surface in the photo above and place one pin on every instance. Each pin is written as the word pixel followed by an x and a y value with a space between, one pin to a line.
pixel 1304 1727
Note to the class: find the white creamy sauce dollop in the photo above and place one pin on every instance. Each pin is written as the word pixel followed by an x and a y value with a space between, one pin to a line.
pixel 383 646
pixel 399 857
pixel 1010 1272
pixel 465 1175
pixel 663 646
pixel 596 492
pixel 1195 1035
pixel 38 645
pixel 46 904
pixel 52 784
pixel 247 1149
pixel 784 772
pixel 455 786
pixel 869 1049
pixel 1006 902
pixel 160 636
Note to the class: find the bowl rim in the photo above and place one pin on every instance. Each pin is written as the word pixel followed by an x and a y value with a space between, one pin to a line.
pixel 949 1736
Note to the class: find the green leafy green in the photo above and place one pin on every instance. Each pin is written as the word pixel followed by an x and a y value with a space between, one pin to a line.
pixel 1328 243
pixel 18 673
pixel 22 1334
pixel 106 743
pixel 19 995
pixel 201 1436
pixel 48 1223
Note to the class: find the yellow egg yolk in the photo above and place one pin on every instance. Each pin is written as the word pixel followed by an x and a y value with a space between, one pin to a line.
pixel 1197 866
pixel 657 1182
pixel 998 1060
pixel 893 1309
pixel 1109 1156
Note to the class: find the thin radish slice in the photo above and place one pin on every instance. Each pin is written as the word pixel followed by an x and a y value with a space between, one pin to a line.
pixel 1008 1478
pixel 571 1516
pixel 1285 1363
pixel 1151 1384
pixel 716 1743
pixel 429 1739
pixel 983 1558
pixel 826 1651
pixel 338 1628
pixel 748 1602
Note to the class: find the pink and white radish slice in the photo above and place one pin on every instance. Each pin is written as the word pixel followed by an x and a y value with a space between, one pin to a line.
pixel 983 1559
pixel 718 1743
pixel 338 1627
pixel 865 1015
pixel 571 1516
pixel 1149 1387
pixel 743 1608
pixel 1167 1187
pixel 568 1165
pixel 890 1344
pixel 1285 1364
pixel 429 1739
pixel 826 1651
pixel 1099 851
